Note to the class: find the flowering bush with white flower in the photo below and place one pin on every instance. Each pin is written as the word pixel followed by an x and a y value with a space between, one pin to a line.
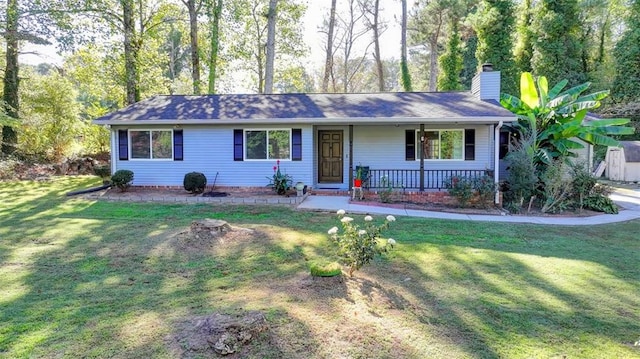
pixel 360 244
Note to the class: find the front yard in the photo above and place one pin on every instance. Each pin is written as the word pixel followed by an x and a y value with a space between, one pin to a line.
pixel 110 279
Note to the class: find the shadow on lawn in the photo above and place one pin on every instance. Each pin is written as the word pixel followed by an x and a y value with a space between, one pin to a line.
pixel 116 284
pixel 119 286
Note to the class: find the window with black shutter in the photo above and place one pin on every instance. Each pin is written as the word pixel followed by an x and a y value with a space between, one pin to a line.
pixel 296 144
pixel 123 145
pixel 238 145
pixel 410 145
pixel 178 145
pixel 469 144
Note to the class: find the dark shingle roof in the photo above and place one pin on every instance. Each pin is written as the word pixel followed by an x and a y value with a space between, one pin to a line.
pixel 283 107
pixel 631 150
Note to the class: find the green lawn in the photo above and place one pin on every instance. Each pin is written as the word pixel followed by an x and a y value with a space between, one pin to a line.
pixel 98 279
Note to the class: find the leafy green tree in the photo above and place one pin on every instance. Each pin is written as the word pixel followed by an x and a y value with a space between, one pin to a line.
pixel 626 86
pixel 451 62
pixel 557 49
pixel 247 44
pixel 556 118
pixel 494 24
pixel 50 116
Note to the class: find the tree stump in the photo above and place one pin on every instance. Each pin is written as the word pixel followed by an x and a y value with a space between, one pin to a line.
pixel 219 333
pixel 209 228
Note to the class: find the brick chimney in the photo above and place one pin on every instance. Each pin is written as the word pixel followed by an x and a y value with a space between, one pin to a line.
pixel 486 84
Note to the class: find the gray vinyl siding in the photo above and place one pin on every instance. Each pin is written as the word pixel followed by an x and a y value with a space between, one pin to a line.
pixel 210 150
pixel 383 147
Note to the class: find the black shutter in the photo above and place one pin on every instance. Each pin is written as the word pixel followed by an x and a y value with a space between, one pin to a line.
pixel 296 144
pixel 469 144
pixel 123 145
pixel 238 145
pixel 410 145
pixel 178 145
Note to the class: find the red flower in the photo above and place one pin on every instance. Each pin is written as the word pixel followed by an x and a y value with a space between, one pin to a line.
pixel 275 168
pixel 278 162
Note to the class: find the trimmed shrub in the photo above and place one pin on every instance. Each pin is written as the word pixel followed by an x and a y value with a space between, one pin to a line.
pixel 323 269
pixel 195 182
pixel 122 179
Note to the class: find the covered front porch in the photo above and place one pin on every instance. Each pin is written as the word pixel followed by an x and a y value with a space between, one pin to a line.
pixel 412 157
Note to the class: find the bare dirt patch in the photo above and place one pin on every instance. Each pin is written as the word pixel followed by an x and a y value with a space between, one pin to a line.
pixel 206 234
pixel 218 335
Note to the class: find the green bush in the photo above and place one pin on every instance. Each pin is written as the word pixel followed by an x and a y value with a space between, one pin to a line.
pixel 486 188
pixel 522 177
pixel 461 188
pixel 195 182
pixel 582 183
pixel 122 179
pixel 322 269
pixel 102 171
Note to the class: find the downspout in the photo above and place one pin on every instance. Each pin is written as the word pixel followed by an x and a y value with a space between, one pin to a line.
pixel 496 160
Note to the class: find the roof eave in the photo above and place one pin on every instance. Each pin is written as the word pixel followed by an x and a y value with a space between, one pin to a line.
pixel 315 121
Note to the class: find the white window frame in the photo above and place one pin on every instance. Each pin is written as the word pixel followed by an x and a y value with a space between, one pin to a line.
pixel 150 130
pixel 419 144
pixel 267 130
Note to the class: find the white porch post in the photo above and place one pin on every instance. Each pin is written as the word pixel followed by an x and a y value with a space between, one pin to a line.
pixel 496 160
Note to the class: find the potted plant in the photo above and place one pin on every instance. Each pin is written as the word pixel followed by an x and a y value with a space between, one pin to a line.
pixel 357 182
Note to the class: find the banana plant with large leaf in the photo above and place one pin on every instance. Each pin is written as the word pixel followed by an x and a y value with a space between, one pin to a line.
pixel 556 118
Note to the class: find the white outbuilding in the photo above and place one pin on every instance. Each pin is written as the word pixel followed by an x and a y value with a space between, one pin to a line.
pixel 623 163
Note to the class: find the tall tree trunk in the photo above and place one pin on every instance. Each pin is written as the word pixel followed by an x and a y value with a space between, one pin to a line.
pixel 376 46
pixel 130 53
pixel 433 55
pixel 193 34
pixel 404 67
pixel 11 79
pixel 328 63
pixel 215 12
pixel 271 46
pixel 433 65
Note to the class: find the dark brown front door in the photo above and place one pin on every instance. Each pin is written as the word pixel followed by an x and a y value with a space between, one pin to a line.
pixel 330 156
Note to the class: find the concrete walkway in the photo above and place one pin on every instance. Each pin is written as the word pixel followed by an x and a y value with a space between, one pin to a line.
pixel 626 198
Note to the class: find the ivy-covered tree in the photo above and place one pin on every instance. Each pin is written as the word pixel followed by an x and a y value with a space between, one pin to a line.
pixel 451 62
pixel 494 24
pixel 469 61
pixel 524 45
pixel 557 49
pixel 626 86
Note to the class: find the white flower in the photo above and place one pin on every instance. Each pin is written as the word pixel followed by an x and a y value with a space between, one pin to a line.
pixel 368 219
pixel 341 212
pixel 333 231
pixel 391 241
pixel 362 232
pixel 391 218
pixel 346 219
